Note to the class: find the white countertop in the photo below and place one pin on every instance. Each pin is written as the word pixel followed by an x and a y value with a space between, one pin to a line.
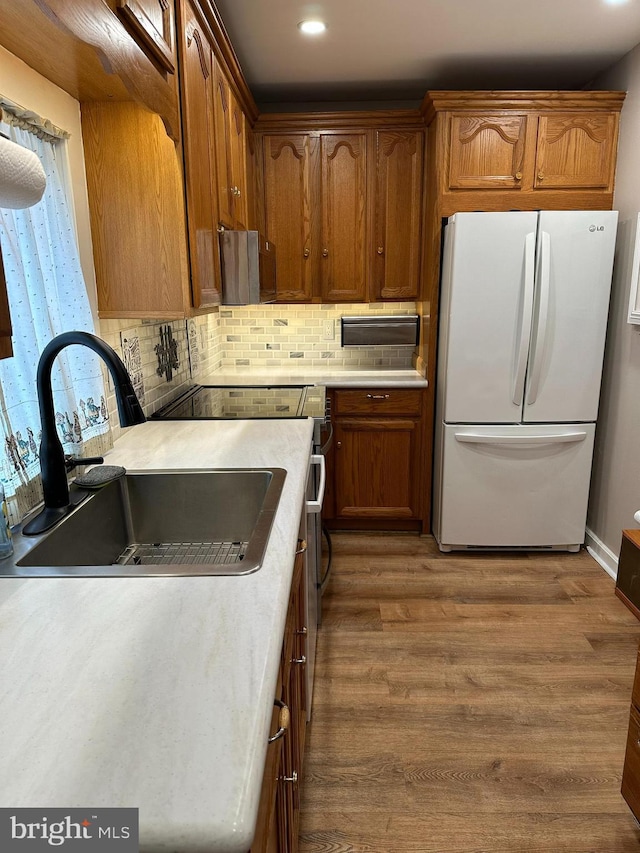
pixel 155 693
pixel 330 377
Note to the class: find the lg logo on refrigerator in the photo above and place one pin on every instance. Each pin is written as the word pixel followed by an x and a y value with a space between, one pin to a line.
pixel 596 228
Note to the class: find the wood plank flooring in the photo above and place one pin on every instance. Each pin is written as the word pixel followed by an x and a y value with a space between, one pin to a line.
pixel 468 704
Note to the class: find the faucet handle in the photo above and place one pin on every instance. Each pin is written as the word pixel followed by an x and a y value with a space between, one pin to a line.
pixel 71 462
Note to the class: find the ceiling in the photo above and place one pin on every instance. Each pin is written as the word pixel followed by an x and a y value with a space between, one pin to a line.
pixel 381 50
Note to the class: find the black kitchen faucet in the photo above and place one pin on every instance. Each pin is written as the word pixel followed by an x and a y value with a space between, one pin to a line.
pixel 53 463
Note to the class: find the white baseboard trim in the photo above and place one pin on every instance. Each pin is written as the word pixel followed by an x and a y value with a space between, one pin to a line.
pixel 602 554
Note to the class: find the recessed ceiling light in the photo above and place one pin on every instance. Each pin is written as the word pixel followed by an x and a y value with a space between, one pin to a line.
pixel 312 28
pixel 615 2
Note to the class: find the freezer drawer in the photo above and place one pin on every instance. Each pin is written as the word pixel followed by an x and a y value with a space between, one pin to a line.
pixel 513 486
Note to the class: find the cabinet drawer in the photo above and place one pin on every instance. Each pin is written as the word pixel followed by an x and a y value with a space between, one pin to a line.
pixel 378 401
pixel 631 771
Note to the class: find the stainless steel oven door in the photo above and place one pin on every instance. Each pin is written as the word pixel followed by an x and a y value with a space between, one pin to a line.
pixel 315 495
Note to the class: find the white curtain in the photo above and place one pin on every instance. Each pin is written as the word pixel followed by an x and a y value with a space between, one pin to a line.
pixel 47 296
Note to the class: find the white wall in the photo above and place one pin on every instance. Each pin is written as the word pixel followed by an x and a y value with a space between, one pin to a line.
pixel 615 489
pixel 25 87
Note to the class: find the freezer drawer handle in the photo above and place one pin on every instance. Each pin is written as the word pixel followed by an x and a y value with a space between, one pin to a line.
pixel 519 440
pixel 316 506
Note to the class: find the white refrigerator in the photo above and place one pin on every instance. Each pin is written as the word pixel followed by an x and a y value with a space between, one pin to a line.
pixel 523 317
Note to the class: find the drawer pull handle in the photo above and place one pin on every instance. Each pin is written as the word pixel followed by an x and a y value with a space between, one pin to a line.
pixel 293 778
pixel 284 719
pixel 300 660
pixel 378 396
pixel 302 631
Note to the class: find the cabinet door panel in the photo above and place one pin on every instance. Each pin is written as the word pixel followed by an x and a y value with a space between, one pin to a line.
pixel 197 80
pixel 486 151
pixel 238 162
pixel 343 261
pixel 222 113
pixel 575 150
pixel 374 468
pixel 398 214
pixel 290 172
pixel 267 825
pixel 150 22
pixel 631 769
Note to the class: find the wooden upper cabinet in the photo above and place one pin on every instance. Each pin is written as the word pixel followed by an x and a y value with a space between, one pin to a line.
pixel 398 213
pixel 343 204
pixel 238 161
pixel 576 150
pixel 486 150
pixel 136 204
pixel 289 166
pixel 343 242
pixel 231 153
pixel 255 183
pixel 221 111
pixel 198 132
pixel 522 144
pixel 151 25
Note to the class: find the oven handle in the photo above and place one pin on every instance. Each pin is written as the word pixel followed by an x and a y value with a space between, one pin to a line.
pixel 316 506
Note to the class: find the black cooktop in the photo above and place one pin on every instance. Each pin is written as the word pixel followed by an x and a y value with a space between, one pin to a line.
pixel 210 402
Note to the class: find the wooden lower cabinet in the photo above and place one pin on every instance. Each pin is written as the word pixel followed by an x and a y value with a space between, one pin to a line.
pixel 375 464
pixel 279 811
pixel 631 770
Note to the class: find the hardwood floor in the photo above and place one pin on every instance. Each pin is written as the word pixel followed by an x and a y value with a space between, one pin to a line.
pixel 468 704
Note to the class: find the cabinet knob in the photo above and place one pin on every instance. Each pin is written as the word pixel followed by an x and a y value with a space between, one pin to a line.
pixel 380 250
pixel 518 176
pixel 540 176
pixel 306 253
pixel 302 546
pixel 325 253
pixel 338 444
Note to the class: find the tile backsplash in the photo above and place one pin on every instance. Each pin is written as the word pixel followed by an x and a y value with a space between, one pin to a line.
pixel 256 335
pixel 277 335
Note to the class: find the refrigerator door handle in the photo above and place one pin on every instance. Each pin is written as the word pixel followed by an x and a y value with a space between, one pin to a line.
pixel 519 440
pixel 525 320
pixel 543 316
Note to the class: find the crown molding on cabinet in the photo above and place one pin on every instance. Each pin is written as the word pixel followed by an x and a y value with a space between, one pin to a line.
pixel 360 119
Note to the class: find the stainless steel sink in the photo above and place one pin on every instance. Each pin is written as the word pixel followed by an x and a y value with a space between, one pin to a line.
pixel 213 522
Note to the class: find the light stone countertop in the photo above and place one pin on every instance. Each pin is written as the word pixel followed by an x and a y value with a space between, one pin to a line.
pixel 330 377
pixel 155 693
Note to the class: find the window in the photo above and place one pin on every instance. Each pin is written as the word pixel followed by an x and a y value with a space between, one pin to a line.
pixel 47 296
